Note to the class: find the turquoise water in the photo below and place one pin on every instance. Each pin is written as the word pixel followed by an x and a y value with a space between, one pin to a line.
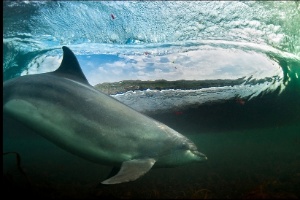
pixel 241 106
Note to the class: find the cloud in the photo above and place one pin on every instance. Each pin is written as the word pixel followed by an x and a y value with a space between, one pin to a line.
pixel 43 64
pixel 202 64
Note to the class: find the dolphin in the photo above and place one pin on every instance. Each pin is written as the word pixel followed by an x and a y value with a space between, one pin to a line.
pixel 64 108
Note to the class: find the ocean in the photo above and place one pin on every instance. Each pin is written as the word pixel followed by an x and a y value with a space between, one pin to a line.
pixel 224 74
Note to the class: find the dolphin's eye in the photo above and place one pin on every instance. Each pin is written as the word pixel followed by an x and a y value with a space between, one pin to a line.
pixel 184 146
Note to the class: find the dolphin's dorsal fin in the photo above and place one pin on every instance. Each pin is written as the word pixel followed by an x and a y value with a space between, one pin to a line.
pixel 131 170
pixel 70 67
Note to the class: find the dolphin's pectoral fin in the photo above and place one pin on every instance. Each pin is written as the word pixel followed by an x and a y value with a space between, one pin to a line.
pixel 131 170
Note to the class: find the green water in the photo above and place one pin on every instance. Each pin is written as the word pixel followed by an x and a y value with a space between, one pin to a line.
pixel 241 164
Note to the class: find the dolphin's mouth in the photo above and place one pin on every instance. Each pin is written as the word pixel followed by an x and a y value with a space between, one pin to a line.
pixel 200 155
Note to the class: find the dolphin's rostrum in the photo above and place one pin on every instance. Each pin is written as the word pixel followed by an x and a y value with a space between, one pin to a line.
pixel 64 108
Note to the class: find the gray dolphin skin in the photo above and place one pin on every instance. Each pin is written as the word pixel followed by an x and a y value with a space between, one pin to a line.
pixel 65 109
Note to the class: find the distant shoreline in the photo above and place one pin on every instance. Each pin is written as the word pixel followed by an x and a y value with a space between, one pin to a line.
pixel 133 85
